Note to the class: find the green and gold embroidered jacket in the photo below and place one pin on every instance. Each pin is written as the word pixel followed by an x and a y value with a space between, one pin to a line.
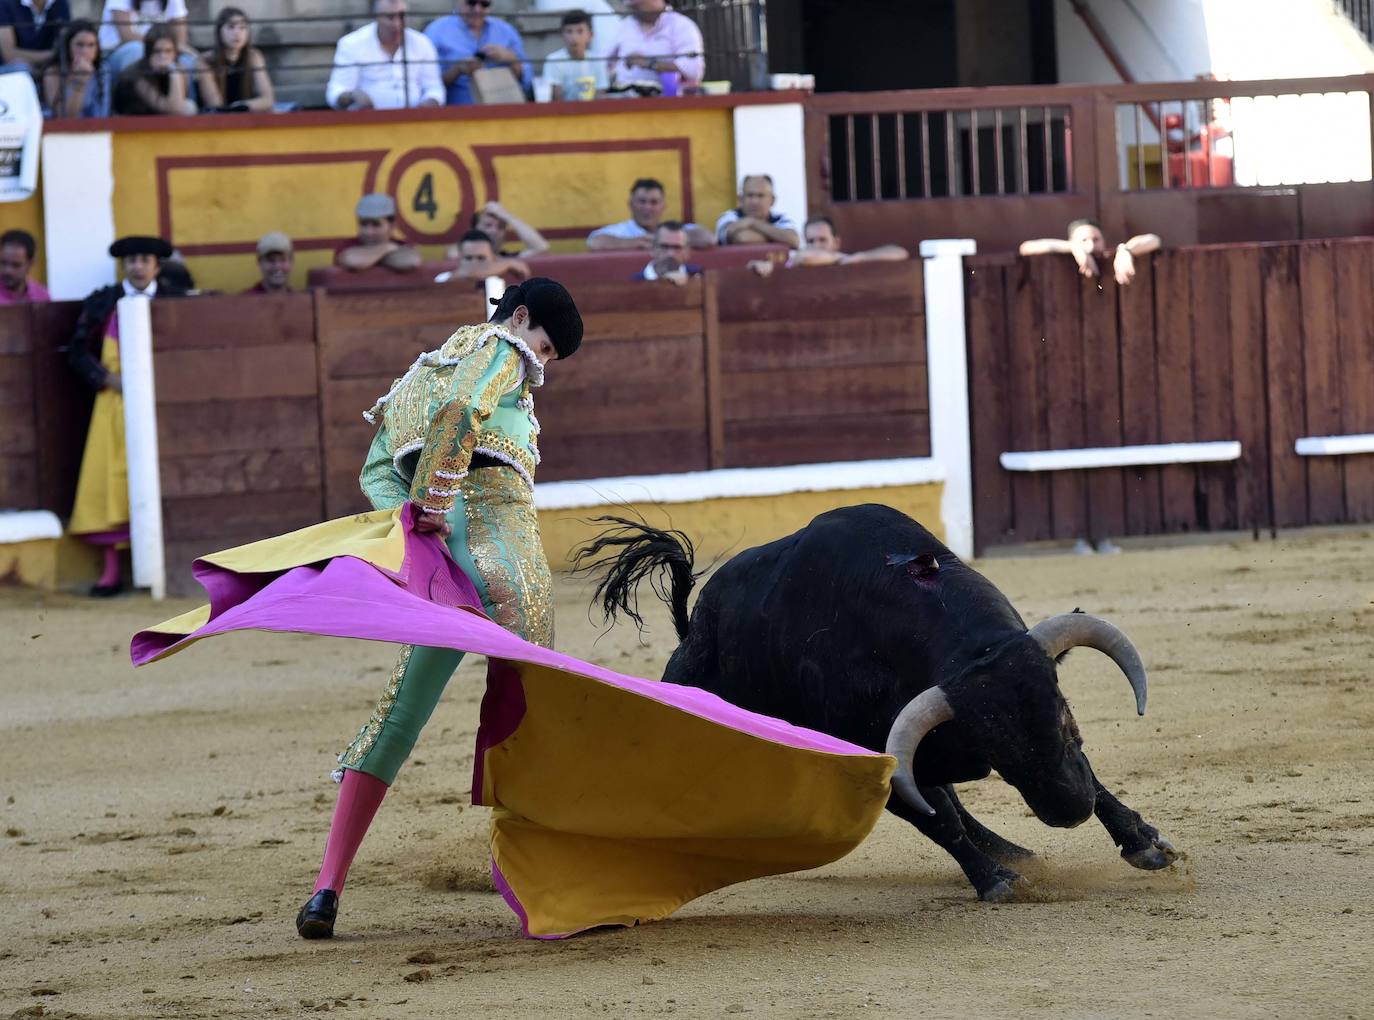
pixel 470 396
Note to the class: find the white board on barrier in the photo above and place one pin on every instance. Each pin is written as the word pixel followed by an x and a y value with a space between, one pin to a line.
pixel 21 128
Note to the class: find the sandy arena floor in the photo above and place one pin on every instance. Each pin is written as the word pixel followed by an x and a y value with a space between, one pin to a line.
pixel 162 827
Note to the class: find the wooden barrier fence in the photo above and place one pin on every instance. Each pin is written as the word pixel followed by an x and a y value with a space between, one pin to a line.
pixel 1258 343
pixel 260 398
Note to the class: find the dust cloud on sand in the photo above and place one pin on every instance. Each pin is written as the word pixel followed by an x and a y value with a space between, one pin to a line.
pixel 161 827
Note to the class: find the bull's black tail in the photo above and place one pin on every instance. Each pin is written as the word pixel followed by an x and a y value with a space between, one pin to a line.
pixel 666 558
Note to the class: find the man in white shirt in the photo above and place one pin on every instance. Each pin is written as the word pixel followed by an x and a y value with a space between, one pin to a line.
pixel 648 202
pixel 384 65
pixel 754 221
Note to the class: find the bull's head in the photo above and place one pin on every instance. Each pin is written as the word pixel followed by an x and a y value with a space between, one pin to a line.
pixel 1014 712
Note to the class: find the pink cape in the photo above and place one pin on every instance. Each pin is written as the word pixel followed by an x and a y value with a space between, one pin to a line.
pixel 617 798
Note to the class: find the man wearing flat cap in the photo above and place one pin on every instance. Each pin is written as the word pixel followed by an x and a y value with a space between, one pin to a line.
pixel 101 512
pixel 275 260
pixel 375 245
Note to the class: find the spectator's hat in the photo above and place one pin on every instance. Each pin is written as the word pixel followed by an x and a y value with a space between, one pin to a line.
pixel 376 207
pixel 274 241
pixel 139 245
pixel 551 306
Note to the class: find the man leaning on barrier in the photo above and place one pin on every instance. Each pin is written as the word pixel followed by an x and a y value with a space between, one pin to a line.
pixel 1086 244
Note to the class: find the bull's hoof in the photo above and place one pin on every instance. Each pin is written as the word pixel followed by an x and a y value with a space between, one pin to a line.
pixel 1160 853
pixel 1002 892
pixel 1004 889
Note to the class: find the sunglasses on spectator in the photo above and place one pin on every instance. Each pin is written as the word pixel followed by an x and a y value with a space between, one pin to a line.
pixel 478 3
pixel 673 247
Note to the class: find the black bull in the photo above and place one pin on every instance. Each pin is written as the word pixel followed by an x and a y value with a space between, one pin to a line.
pixel 864 626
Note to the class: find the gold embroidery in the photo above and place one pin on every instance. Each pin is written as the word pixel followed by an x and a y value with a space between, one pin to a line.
pixel 503 539
pixel 367 736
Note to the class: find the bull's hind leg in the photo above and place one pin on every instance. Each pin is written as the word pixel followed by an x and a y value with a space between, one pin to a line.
pixel 1141 844
pixel 995 846
pixel 990 880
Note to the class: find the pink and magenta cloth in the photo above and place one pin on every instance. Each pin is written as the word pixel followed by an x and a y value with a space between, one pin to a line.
pixel 615 799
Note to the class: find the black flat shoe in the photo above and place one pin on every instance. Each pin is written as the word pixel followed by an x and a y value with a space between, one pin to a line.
pixel 105 591
pixel 316 919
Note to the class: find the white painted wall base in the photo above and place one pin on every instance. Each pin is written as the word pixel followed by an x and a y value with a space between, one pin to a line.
pixel 1121 456
pixel 140 444
pixel 1334 446
pixel 947 372
pixel 693 486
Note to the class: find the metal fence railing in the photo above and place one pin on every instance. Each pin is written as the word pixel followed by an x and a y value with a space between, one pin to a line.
pixel 299 49
pixel 1361 15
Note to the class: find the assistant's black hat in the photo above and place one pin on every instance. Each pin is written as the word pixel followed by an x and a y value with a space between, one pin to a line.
pixel 551 306
pixel 138 245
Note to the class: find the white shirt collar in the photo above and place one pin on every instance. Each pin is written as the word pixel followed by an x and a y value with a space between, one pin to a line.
pixel 650 273
pixel 131 291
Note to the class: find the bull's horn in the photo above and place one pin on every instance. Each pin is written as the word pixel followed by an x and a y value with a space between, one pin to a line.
pixel 1068 630
pixel 922 714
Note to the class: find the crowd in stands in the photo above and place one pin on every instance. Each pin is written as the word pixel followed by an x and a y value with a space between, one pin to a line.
pixel 138 61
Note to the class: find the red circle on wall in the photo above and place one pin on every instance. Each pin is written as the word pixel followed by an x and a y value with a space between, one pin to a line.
pixel 432 197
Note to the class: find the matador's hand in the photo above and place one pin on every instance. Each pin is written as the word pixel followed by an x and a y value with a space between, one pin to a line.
pixel 427 523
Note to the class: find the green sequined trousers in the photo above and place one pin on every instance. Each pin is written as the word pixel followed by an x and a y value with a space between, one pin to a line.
pixel 496 542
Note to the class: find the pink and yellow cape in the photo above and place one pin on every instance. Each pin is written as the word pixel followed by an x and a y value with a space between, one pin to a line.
pixel 615 799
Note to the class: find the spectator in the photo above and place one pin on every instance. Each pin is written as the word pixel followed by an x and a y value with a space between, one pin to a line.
pixel 670 248
pixel 571 74
pixel 29 30
pixel 754 222
pixel 652 40
pixel 647 201
pixel 101 512
pixel 76 83
pixel 275 261
pixel 125 24
pixel 467 40
pixel 233 74
pixel 1086 244
pixel 477 259
pixel 17 248
pixel 494 220
pixel 374 245
pixel 822 248
pixel 156 84
pixel 385 65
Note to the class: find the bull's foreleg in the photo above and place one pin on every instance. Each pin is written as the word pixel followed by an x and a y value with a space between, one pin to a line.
pixel 1141 844
pixel 995 846
pixel 990 880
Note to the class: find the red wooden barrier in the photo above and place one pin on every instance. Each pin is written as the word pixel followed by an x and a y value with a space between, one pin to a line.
pixel 1259 343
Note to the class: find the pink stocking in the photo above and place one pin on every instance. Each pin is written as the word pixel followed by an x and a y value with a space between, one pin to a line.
pixel 360 795
pixel 110 576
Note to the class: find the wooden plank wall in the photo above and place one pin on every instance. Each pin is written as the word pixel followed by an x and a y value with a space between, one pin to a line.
pixel 634 399
pixel 820 365
pixel 366 340
pixel 1260 343
pixel 238 423
pixel 44 409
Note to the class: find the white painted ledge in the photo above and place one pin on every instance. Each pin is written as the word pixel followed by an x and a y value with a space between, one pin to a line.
pixel 1334 446
pixel 28 526
pixel 1122 456
pixel 725 483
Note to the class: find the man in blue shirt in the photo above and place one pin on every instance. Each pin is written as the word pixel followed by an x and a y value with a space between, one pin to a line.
pixel 467 40
pixel 29 29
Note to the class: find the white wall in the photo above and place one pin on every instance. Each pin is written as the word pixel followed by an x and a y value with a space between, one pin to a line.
pixel 1308 139
pixel 1176 40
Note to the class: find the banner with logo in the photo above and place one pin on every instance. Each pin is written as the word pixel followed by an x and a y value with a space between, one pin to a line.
pixel 21 127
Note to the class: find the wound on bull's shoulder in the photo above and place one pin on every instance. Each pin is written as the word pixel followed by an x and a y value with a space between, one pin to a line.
pixel 922 566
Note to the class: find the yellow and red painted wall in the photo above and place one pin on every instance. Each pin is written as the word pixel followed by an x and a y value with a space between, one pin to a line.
pixel 213 185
